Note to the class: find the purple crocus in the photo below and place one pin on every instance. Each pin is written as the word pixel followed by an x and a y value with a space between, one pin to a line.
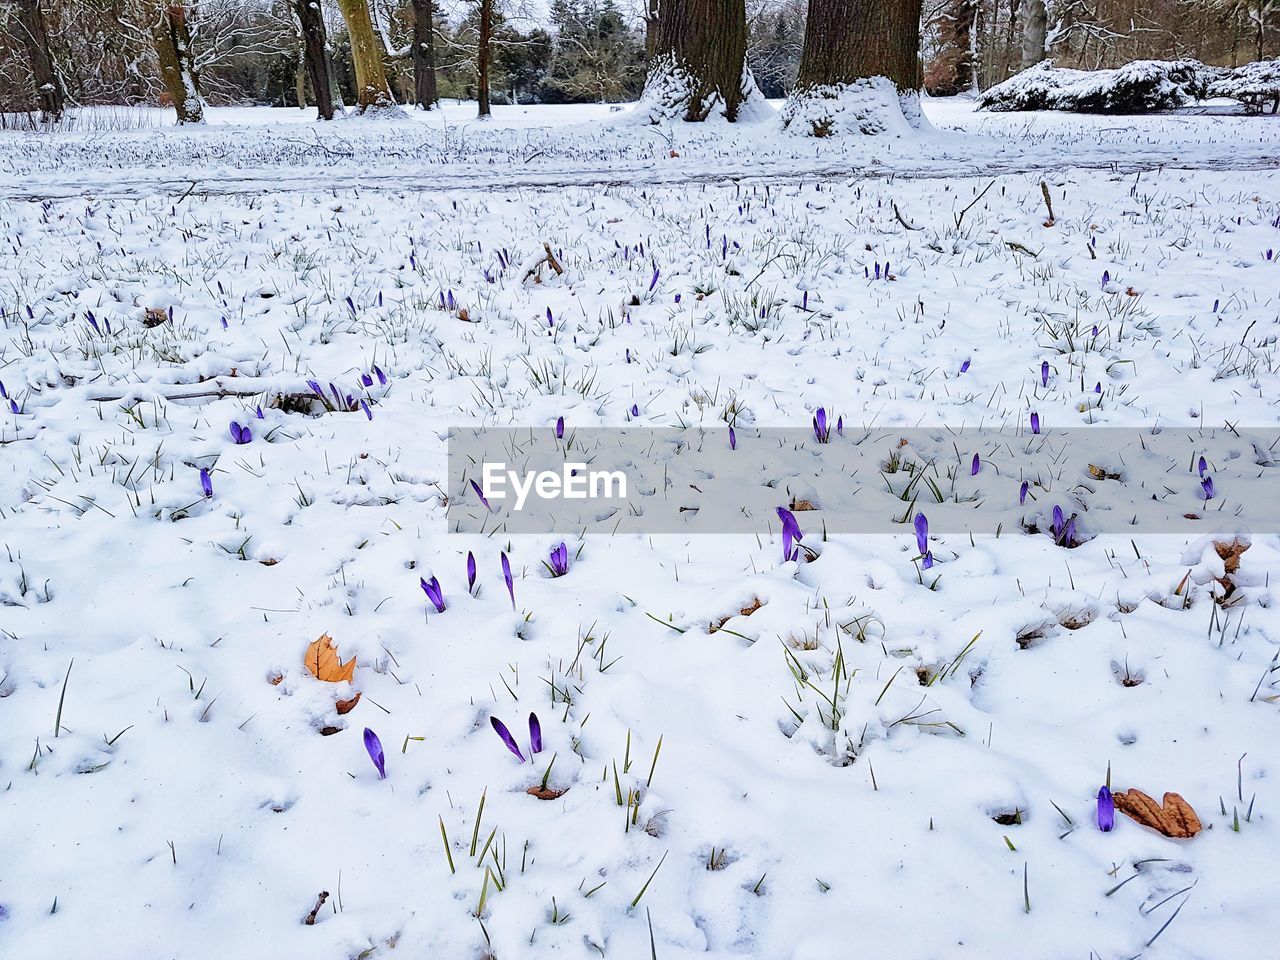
pixel 506 576
pixel 206 482
pixel 432 589
pixel 1202 466
pixel 791 534
pixel 471 572
pixel 480 493
pixel 977 465
pixel 501 730
pixel 1106 277
pixel 1035 423
pixel 733 439
pixel 240 434
pixel 1207 486
pixel 635 409
pixel 1058 522
pixel 821 430
pixel 366 380
pixel 259 414
pixel 382 377
pixel 374 746
pixel 1022 493
pixel 559 561
pixel 922 533
pixel 535 734
pixel 1044 373
pixel 1106 810
pixel 559 428
pixel 964 367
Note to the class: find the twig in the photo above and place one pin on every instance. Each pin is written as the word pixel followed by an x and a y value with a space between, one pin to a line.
pixel 960 219
pixel 902 220
pixel 311 917
pixel 1044 189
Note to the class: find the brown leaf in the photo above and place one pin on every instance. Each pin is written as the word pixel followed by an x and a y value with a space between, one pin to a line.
pixel 799 506
pixel 1230 554
pixel 275 678
pixel 545 793
pixel 346 706
pixel 322 660
pixel 463 314
pixel 1174 818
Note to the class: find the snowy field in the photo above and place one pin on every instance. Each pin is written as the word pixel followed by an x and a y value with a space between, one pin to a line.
pixel 839 755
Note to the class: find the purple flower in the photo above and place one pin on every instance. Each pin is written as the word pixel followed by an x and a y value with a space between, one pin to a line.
pixel 1044 373
pixel 559 428
pixel 366 380
pixel 1095 329
pixel 977 465
pixel 1202 466
pixel 1207 486
pixel 501 730
pixel 1035 423
pixel 13 407
pixel 506 576
pixel 374 746
pixel 559 563
pixel 535 734
pixel 432 589
pixel 840 425
pixel 791 534
pixel 3 392
pixel 480 493
pixel 206 483
pixel 1022 493
pixel 240 434
pixel 382 377
pixel 733 439
pixel 471 572
pixel 1106 811
pixel 1057 521
pixel 922 534
pixel 964 367
pixel 654 282
pixel 259 414
pixel 635 410
pixel 820 428
pixel 1097 387
pixel 364 405
pixel 1106 277
pixel 927 561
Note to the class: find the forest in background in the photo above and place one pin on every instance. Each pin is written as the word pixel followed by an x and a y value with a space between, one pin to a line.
pixel 574 51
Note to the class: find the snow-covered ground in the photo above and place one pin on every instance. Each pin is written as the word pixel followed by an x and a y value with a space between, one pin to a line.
pixel 864 759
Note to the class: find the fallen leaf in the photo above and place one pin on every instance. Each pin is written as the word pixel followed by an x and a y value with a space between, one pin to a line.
pixel 346 706
pixel 463 315
pixel 322 660
pixel 1230 554
pixel 275 679
pixel 1173 818
pixel 545 793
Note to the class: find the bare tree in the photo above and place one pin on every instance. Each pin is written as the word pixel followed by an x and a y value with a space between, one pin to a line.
pixel 860 67
pixel 1035 32
pixel 699 63
pixel 36 39
pixel 484 58
pixel 424 54
pixel 315 51
pixel 372 90
pixel 172 39
pixel 952 69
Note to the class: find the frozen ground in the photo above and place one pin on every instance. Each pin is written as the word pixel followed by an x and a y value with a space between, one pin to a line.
pixel 270 150
pixel 843 771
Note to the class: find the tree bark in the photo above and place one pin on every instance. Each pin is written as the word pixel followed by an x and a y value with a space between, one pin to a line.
pixel 424 54
pixel 859 70
pixel 316 54
pixel 484 56
pixel 36 39
pixel 698 63
pixel 651 30
pixel 951 71
pixel 372 90
pixel 1035 31
pixel 172 41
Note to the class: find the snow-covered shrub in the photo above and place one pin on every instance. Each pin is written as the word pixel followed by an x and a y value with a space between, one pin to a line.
pixel 1254 84
pixel 1138 87
pixel 870 106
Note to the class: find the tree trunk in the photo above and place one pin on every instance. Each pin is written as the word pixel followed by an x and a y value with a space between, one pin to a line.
pixel 698 64
pixel 315 47
pixel 651 30
pixel 483 57
pixel 48 90
pixel 172 41
pixel 424 54
pixel 860 68
pixel 951 71
pixel 372 90
pixel 1035 31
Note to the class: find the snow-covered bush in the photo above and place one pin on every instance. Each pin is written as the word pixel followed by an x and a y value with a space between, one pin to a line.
pixel 1254 84
pixel 1138 87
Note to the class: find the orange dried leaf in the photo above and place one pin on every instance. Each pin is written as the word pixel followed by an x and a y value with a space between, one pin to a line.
pixel 322 660
pixel 346 706
pixel 1173 818
pixel 545 793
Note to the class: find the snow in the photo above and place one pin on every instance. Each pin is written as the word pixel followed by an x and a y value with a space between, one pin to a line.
pixel 1136 87
pixel 175 782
